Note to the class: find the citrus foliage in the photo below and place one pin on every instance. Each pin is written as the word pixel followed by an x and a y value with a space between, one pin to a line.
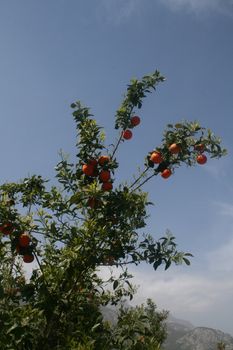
pixel 141 328
pixel 72 230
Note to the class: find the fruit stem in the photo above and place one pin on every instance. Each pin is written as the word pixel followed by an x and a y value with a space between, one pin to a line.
pixel 46 235
pixel 41 269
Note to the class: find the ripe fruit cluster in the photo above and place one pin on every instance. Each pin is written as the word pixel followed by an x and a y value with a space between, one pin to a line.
pixel 164 157
pixel 99 169
pixel 23 247
pixel 134 121
pixel 21 241
pixel 156 157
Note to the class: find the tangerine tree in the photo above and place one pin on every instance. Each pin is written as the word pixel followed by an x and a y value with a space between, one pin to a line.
pixel 71 229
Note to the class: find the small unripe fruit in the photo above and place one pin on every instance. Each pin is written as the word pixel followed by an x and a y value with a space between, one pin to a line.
pixel 104 175
pixel 7 228
pixel 156 157
pixel 127 134
pixel 107 186
pixel 24 240
pixel 141 339
pixel 200 147
pixel 135 120
pixel 166 173
pixel 174 148
pixel 10 202
pixel 93 202
pixel 109 260
pixel 28 258
pixel 201 159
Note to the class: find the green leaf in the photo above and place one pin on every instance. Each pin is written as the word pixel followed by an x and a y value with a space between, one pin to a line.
pixel 95 327
pixel 168 264
pixel 75 199
pixel 187 262
pixel 115 284
pixel 157 264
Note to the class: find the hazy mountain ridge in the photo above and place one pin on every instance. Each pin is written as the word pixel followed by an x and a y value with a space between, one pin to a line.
pixel 182 335
pixel 176 329
pixel 199 338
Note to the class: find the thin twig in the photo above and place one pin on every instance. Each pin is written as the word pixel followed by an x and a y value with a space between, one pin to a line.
pixel 41 269
pixel 117 145
pixel 139 178
pixel 120 138
pixel 45 234
pixel 142 183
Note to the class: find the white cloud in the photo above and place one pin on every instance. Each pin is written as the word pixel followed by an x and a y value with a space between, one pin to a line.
pixel 197 6
pixel 118 11
pixel 221 259
pixel 225 208
pixel 203 298
pixel 201 295
pixel 178 290
pixel 215 170
pixel 171 289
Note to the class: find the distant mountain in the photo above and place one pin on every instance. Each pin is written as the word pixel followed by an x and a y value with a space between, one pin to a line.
pixel 186 324
pixel 182 335
pixel 176 329
pixel 200 338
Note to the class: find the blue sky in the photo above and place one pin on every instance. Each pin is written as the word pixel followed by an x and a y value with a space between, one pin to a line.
pixel 55 52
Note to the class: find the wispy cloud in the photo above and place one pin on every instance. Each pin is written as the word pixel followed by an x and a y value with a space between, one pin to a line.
pixel 215 170
pixel 225 208
pixel 118 11
pixel 200 297
pixel 192 293
pixel 220 260
pixel 198 6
